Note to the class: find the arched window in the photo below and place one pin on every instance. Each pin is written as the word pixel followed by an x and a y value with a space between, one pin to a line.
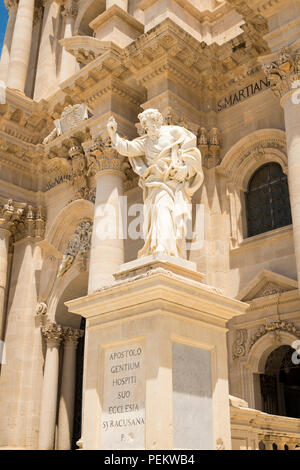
pixel 267 200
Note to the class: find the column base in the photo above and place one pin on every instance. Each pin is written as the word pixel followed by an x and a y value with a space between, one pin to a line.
pixel 156 359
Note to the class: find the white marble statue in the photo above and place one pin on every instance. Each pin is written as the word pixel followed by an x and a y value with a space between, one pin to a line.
pixel 169 166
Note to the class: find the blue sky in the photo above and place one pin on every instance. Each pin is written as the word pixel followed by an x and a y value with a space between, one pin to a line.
pixel 3 21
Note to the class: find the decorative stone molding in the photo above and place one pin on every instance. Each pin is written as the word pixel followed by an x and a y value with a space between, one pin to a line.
pixel 72 168
pixel 239 345
pixel 71 336
pixel 274 327
pixel 283 71
pixel 78 246
pixel 22 220
pixel 102 157
pixel 71 117
pixel 53 333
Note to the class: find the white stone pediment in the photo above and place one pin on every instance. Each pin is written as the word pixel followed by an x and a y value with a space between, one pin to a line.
pixel 266 283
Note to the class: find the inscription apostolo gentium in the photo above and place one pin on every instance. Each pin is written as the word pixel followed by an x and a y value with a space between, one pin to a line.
pixel 123 416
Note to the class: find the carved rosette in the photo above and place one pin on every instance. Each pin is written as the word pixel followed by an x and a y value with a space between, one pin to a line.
pixel 71 336
pixel 53 334
pixel 283 72
pixel 103 158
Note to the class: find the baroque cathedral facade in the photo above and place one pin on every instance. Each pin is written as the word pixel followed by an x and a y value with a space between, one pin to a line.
pixel 228 71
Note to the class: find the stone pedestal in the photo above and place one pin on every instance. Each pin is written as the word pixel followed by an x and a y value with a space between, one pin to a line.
pixel 156 359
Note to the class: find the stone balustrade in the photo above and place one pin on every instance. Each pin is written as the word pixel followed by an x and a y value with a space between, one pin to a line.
pixel 255 430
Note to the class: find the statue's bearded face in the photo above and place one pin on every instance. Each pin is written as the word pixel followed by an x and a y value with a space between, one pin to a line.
pixel 151 121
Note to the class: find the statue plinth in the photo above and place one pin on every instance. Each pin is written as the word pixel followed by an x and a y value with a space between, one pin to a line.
pixel 155 372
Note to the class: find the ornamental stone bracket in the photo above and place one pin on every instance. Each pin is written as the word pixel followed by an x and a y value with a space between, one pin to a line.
pixel 22 220
pixel 78 248
pixel 282 70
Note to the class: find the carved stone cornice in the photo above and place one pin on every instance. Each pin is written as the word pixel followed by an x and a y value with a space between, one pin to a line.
pixel 53 334
pixel 274 327
pixel 283 71
pixel 71 336
pixel 103 158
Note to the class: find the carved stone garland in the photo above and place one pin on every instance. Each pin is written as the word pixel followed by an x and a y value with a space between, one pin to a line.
pixel 78 246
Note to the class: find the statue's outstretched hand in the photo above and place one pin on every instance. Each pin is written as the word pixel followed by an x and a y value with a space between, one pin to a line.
pixel 112 129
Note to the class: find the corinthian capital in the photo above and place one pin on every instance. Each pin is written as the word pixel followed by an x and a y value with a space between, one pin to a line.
pixel 283 71
pixel 71 336
pixel 103 158
pixel 53 333
pixel 70 8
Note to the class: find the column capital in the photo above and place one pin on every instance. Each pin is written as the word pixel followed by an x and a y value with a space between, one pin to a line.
pixel 11 4
pixel 103 158
pixel 70 8
pixel 71 336
pixel 283 71
pixel 53 334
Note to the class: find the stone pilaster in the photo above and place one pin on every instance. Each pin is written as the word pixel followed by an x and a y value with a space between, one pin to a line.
pixel 68 64
pixel 107 251
pixel 46 75
pixel 53 335
pixel 283 71
pixel 21 44
pixel 67 393
pixel 6 48
pixel 21 375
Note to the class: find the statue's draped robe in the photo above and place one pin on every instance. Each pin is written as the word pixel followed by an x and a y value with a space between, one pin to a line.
pixel 167 201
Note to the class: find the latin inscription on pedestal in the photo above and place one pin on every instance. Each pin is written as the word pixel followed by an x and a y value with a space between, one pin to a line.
pixel 123 417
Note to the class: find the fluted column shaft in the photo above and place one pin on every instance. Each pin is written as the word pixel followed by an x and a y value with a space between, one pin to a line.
pixel 68 62
pixel 107 249
pixel 284 75
pixel 53 336
pixel 292 128
pixel 46 75
pixel 67 394
pixel 4 243
pixel 6 48
pixel 21 44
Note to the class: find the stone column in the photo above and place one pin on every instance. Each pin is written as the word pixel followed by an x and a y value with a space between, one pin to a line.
pixel 53 335
pixel 21 45
pixel 67 394
pixel 284 75
pixel 46 74
pixel 5 55
pixel 4 242
pixel 68 64
pixel 107 250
